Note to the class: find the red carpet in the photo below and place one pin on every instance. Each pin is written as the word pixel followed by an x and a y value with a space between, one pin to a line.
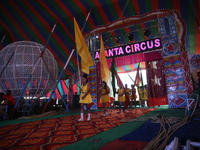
pixel 58 132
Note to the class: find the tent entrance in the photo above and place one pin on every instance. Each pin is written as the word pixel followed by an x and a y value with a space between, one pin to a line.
pixel 151 74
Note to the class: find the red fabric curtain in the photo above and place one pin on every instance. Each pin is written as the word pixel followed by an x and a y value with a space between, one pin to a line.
pixel 157 94
pixel 136 58
pixel 156 83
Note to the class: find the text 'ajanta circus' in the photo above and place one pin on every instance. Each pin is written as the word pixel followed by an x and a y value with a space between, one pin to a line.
pixel 131 48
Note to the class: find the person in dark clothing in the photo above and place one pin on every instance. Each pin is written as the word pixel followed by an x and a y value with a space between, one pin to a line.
pixel 198 75
pixel 10 101
pixel 198 89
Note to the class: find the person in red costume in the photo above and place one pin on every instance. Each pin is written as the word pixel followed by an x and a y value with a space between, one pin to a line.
pixel 127 92
pixel 8 99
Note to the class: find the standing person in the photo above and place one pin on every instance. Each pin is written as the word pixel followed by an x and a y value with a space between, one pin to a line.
pixel 140 93
pixel 85 97
pixel 133 95
pixel 2 107
pixel 198 75
pixel 144 96
pixel 10 101
pixel 121 98
pixel 4 113
pixel 104 98
pixel 127 96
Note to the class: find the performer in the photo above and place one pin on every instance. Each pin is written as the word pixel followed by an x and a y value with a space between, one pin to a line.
pixel 140 93
pixel 121 98
pixel 144 95
pixel 104 98
pixel 127 97
pixel 85 97
pixel 198 75
pixel 10 101
pixel 2 106
pixel 133 95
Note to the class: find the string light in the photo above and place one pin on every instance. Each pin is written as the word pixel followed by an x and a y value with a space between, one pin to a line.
pixel 131 36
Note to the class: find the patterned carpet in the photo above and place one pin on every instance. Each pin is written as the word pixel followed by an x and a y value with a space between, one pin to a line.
pixel 58 132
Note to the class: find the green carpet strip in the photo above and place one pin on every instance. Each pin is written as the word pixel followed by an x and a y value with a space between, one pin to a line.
pixel 97 141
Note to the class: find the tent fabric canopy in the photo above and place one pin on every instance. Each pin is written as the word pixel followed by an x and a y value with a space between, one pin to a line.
pixel 132 67
pixel 33 21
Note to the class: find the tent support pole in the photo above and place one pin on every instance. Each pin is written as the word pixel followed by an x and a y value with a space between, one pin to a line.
pixel 27 82
pixel 6 66
pixel 3 38
pixel 55 86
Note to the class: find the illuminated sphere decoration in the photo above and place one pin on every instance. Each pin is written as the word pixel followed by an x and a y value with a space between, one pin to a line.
pixel 21 60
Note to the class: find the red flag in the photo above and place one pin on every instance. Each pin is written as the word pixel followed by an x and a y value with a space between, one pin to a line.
pixel 119 81
pixel 137 77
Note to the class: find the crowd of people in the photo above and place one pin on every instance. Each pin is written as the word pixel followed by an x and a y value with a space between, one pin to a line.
pixel 126 97
pixel 7 103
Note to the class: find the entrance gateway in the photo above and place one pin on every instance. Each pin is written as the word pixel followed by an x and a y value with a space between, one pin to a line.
pixel 167 64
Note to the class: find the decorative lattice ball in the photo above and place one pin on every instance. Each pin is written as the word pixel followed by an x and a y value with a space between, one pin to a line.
pixel 21 61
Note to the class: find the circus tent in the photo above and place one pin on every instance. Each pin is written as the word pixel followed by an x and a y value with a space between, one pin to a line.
pixel 33 21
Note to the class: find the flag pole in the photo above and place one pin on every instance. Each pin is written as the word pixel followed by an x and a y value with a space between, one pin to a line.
pixel 130 78
pixel 86 19
pixel 3 38
pixel 137 74
pixel 79 74
pixel 113 76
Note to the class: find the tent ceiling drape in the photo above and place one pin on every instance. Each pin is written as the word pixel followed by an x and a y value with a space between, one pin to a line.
pixel 33 21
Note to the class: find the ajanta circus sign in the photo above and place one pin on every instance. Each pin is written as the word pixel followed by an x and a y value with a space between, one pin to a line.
pixel 131 48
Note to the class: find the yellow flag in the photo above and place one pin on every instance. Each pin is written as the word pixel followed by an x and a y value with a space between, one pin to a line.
pixel 105 72
pixel 82 49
